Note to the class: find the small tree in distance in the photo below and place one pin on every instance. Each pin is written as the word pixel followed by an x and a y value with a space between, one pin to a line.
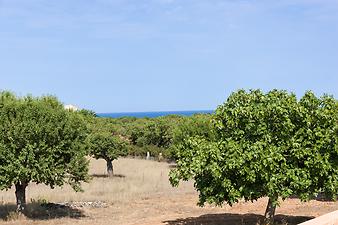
pixel 104 145
pixel 40 142
pixel 265 145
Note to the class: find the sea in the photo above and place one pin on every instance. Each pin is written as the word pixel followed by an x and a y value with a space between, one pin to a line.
pixel 153 114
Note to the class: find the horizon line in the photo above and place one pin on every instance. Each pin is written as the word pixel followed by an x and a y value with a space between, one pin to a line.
pixel 153 111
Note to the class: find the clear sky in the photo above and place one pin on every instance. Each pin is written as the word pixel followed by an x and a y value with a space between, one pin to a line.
pixel 156 55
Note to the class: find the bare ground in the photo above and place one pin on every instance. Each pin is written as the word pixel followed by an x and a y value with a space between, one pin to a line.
pixel 140 194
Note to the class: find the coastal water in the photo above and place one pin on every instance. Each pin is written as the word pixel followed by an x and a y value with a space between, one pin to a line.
pixel 154 114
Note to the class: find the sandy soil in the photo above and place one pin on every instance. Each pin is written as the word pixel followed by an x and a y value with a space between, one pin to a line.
pixel 143 196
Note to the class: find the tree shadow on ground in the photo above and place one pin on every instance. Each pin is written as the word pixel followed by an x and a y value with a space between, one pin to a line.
pixel 172 166
pixel 321 197
pixel 106 176
pixel 40 211
pixel 236 219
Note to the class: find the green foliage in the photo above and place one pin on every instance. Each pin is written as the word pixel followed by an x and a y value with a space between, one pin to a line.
pixel 40 142
pixel 157 132
pixel 106 146
pixel 151 135
pixel 154 135
pixel 87 113
pixel 264 145
pixel 196 125
pixel 105 142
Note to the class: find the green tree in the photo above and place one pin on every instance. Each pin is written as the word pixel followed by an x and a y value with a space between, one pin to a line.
pixel 265 145
pixel 158 132
pixel 104 145
pixel 87 113
pixel 196 125
pixel 40 142
pixel 152 135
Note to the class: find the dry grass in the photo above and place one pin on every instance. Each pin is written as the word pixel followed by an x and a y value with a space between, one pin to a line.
pixel 133 178
pixel 140 194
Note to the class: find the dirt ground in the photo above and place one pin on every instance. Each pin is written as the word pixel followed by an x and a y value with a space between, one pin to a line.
pixel 140 194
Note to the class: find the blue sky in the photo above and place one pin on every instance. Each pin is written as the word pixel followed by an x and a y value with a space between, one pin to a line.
pixel 155 55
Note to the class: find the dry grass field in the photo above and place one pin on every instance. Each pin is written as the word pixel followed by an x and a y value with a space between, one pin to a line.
pixel 140 194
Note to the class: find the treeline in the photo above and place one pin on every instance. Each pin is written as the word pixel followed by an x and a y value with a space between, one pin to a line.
pixel 158 136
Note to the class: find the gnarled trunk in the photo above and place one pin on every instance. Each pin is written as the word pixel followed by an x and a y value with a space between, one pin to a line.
pixel 270 211
pixel 20 194
pixel 110 169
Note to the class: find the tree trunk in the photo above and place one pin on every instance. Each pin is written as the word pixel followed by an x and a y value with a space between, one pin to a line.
pixel 110 169
pixel 20 194
pixel 270 211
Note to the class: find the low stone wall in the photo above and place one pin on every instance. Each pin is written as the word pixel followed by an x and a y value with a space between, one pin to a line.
pixel 327 219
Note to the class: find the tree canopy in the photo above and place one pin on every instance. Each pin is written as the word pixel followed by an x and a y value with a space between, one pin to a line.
pixel 158 136
pixel 265 145
pixel 40 142
pixel 104 145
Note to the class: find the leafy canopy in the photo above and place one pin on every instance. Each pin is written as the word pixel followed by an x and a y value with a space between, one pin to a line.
pixel 40 142
pixel 265 145
pixel 104 145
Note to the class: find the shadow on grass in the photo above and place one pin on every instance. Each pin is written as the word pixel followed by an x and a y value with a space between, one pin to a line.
pixel 236 219
pixel 43 211
pixel 321 197
pixel 172 166
pixel 106 176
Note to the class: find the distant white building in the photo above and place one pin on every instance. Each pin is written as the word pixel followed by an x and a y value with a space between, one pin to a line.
pixel 71 107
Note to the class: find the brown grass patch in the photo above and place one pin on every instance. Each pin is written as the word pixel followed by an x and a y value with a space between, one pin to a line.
pixel 140 194
pixel 133 177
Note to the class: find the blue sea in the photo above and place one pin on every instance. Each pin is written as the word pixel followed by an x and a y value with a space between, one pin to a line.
pixel 153 114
